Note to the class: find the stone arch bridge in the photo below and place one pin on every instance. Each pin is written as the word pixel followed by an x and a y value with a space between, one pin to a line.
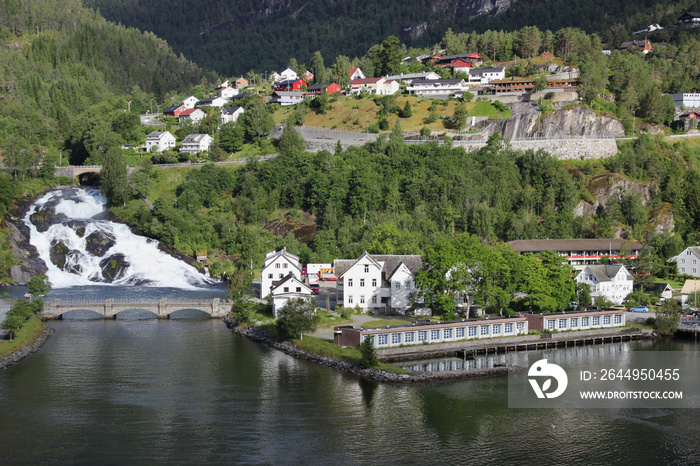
pixel 162 308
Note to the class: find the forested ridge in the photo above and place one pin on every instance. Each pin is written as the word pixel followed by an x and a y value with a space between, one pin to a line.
pixel 235 37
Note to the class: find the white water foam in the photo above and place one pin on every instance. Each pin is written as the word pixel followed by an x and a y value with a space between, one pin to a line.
pixel 148 265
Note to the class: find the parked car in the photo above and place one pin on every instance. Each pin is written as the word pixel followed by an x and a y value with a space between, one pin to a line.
pixel 639 309
pixel 618 307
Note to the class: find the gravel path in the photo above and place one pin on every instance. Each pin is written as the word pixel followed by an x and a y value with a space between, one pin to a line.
pixel 357 321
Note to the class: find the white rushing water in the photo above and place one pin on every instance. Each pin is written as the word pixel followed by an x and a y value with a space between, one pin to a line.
pixel 145 264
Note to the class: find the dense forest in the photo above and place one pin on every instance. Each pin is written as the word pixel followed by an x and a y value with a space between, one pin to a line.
pixel 68 77
pixel 234 38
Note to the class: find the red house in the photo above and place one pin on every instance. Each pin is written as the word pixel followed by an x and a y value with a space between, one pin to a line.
pixel 291 85
pixel 326 88
pixel 174 111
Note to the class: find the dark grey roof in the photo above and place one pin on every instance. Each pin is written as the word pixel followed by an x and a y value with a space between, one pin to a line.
pixel 391 263
pixel 197 137
pixel 229 110
pixel 172 108
pixel 437 81
pixel 318 87
pixel 485 70
pixel 564 245
pixel 605 273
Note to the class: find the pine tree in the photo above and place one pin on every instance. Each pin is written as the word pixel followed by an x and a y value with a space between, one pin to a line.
pixel 113 177
pixel 369 354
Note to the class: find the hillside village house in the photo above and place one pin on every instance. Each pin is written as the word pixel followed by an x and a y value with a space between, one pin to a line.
pixel 278 264
pixel 356 73
pixel 230 114
pixel 175 110
pixel 289 75
pixel 691 19
pixel 274 77
pixel 226 92
pixel 688 261
pixel 408 78
pixel 580 252
pixel 686 100
pixel 194 115
pixel 196 143
pixel 614 282
pixel 160 140
pixel 213 102
pixel 285 289
pixel 291 85
pixel 486 75
pixel 287 97
pixel 641 45
pixel 379 86
pixel 325 88
pixel 241 83
pixel 190 102
pixel 378 283
pixel 689 292
pixel 438 88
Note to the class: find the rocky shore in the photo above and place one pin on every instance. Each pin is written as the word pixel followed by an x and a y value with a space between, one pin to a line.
pixel 27 349
pixel 260 336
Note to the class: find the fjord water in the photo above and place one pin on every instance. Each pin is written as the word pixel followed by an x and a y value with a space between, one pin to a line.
pixel 138 390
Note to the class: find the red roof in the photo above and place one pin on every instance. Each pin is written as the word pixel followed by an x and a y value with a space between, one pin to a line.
pixel 365 81
pixel 475 56
pixel 352 70
pixel 459 63
pixel 189 111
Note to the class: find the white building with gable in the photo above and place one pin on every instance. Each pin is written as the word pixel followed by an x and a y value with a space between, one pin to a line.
pixel 377 283
pixel 278 264
pixel 614 282
pixel 290 287
pixel 688 261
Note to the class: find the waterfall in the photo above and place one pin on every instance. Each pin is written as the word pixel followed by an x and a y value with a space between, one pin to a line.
pixel 81 247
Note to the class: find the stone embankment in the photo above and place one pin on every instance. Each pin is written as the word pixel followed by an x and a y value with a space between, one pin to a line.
pixel 25 350
pixel 377 375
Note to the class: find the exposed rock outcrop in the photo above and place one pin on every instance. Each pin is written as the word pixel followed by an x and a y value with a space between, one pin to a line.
pixel 28 264
pixel 113 267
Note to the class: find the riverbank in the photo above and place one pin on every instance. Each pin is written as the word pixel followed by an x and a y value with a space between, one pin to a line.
pixel 35 337
pixel 260 336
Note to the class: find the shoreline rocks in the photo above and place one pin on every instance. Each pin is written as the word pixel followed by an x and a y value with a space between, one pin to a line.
pixel 27 349
pixel 377 375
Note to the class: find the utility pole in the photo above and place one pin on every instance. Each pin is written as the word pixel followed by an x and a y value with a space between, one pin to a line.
pixel 151 105
pixel 129 106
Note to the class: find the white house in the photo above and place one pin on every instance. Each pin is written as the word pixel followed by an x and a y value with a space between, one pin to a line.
pixel 356 73
pixel 689 292
pixel 190 102
pixel 688 261
pixel 274 77
pixel 289 74
pixel 380 86
pixel 285 289
pixel 196 143
pixel 194 115
pixel 387 87
pixel 230 114
pixel 278 264
pixel 378 283
pixel 287 97
pixel 227 92
pixel 213 102
pixel 438 88
pixel 161 140
pixel 614 282
pixel 408 78
pixel 486 75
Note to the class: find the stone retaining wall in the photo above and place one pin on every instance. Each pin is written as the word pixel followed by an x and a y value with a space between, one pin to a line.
pixel 587 333
pixel 27 349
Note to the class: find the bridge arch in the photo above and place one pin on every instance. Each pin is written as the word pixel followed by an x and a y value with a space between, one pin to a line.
pixel 80 314
pixel 162 308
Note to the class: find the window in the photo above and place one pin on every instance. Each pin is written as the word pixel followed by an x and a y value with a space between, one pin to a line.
pixel 374 282
pixel 459 333
pixel 366 268
pixel 395 338
pixel 286 289
pixel 298 289
pixel 484 330
pixel 606 320
pixel 496 329
pixel 269 275
pixel 284 266
pixel 596 321
pixel 381 340
pixel 362 282
pixel 618 319
pixel 277 266
pixel 435 334
pixel 584 321
pixel 408 285
pixel 472 331
pixel 447 333
pixel 422 335
pixel 362 299
pixel 550 324
pixel 349 299
pixel 521 327
pixel 509 328
pixel 408 337
pixel 397 286
pixel 574 322
pixel 281 275
pixel 349 281
pixel 562 323
pixel 374 300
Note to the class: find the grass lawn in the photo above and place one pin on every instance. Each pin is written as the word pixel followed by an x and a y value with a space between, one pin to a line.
pixel 674 284
pixel 31 329
pixel 349 354
pixel 325 318
pixel 386 322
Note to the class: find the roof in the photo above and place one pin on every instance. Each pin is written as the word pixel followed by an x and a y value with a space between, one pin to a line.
pixel 172 108
pixel 288 93
pixel 157 134
pixel 581 244
pixel 690 286
pixel 391 263
pixel 365 81
pixel 438 81
pixel 230 110
pixel 485 70
pixel 190 111
pixel 289 82
pixel 636 43
pixel 352 70
pixel 424 75
pixel 290 277
pixel 605 273
pixel 319 87
pixel 272 255
pixel 195 138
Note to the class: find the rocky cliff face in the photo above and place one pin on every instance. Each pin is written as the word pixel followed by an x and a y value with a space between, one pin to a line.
pixel 526 122
pixel 28 264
